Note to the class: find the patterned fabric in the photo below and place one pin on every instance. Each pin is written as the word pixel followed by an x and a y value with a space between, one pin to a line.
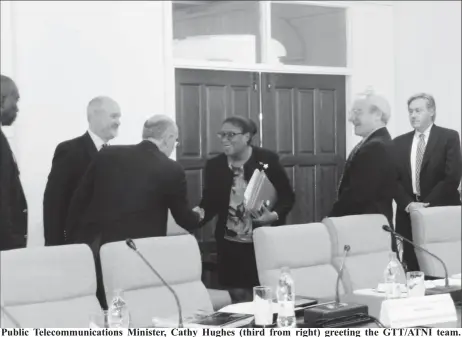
pixel 418 161
pixel 239 224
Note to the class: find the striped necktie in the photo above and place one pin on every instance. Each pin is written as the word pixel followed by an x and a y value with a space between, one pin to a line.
pixel 418 161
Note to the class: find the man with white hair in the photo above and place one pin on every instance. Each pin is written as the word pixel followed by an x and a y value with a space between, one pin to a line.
pixel 128 190
pixel 367 185
pixel 71 160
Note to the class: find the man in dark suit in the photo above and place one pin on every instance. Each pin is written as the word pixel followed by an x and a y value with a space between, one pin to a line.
pixel 429 168
pixel 70 162
pixel 368 179
pixel 127 190
pixel 13 205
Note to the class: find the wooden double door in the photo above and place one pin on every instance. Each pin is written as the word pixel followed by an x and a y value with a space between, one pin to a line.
pixel 301 118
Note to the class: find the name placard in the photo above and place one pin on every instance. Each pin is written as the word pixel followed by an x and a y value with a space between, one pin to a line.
pixel 418 311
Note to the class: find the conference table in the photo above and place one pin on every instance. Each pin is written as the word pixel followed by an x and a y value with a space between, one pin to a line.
pixel 374 304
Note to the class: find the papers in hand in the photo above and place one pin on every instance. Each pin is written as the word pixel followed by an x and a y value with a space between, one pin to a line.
pixel 260 191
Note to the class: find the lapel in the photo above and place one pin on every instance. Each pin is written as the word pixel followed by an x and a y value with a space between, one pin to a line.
pixel 89 145
pixel 432 141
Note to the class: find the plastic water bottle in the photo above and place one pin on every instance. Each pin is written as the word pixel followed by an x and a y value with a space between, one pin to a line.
pixel 286 300
pixel 118 315
pixel 394 278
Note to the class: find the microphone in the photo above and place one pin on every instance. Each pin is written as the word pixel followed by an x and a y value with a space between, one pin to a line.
pixel 10 317
pixel 346 249
pixel 336 310
pixel 130 243
pixel 455 291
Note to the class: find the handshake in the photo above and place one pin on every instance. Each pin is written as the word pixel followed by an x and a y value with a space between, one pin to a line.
pixel 199 211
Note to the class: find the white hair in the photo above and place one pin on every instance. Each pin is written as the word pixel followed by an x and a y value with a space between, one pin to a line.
pixel 96 104
pixel 157 126
pixel 377 103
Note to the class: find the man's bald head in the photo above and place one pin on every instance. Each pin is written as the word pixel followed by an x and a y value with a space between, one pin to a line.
pixel 9 97
pixel 103 115
pixel 369 112
pixel 162 131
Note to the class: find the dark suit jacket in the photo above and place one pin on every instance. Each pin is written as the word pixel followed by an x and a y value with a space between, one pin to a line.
pixel 70 162
pixel 126 193
pixel 219 180
pixel 369 179
pixel 13 205
pixel 440 172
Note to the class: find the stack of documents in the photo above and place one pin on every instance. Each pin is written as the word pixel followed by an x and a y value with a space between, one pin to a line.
pixel 260 191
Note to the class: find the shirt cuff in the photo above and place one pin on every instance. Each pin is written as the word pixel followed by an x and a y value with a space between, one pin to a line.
pixel 407 207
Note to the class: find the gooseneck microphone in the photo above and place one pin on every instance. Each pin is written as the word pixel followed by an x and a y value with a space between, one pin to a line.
pixel 346 312
pixel 130 243
pixel 346 249
pixel 455 291
pixel 402 238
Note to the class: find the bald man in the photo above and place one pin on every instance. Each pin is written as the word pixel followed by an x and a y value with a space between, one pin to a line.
pixel 368 182
pixel 70 162
pixel 13 205
pixel 128 190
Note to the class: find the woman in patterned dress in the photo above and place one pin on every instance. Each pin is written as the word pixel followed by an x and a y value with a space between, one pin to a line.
pixel 226 178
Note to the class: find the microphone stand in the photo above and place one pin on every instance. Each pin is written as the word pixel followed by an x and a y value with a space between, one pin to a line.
pixel 454 291
pixel 132 245
pixel 329 311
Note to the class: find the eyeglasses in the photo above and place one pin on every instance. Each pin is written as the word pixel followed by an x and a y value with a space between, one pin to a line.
pixel 228 135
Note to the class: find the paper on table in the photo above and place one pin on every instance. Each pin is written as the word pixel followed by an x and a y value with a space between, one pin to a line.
pixel 380 290
pixel 456 276
pixel 245 308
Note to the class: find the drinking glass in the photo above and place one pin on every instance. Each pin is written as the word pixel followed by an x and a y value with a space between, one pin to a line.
pixel 99 320
pixel 262 305
pixel 415 281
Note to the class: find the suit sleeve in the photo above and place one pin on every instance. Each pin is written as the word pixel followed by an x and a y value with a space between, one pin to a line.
pixel 4 217
pixel 452 170
pixel 208 200
pixel 57 196
pixel 372 164
pixel 177 200
pixel 285 192
pixel 77 230
pixel 402 198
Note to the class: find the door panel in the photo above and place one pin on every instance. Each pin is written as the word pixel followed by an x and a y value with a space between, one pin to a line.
pixel 304 122
pixel 204 98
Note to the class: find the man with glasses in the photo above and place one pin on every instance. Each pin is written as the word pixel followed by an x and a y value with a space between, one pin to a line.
pixel 368 182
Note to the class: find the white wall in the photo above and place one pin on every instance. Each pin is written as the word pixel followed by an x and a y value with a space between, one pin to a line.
pixel 428 58
pixel 65 53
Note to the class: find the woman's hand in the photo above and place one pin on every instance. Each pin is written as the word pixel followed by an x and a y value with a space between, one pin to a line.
pixel 266 217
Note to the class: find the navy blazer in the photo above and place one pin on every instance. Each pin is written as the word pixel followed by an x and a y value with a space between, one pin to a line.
pixel 126 193
pixel 219 180
pixel 440 171
pixel 70 162
pixel 369 179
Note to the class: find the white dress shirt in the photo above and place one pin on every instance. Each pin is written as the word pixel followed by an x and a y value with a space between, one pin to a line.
pixel 96 140
pixel 415 142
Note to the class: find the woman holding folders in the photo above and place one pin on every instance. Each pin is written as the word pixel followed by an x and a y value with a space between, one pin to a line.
pixel 226 178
